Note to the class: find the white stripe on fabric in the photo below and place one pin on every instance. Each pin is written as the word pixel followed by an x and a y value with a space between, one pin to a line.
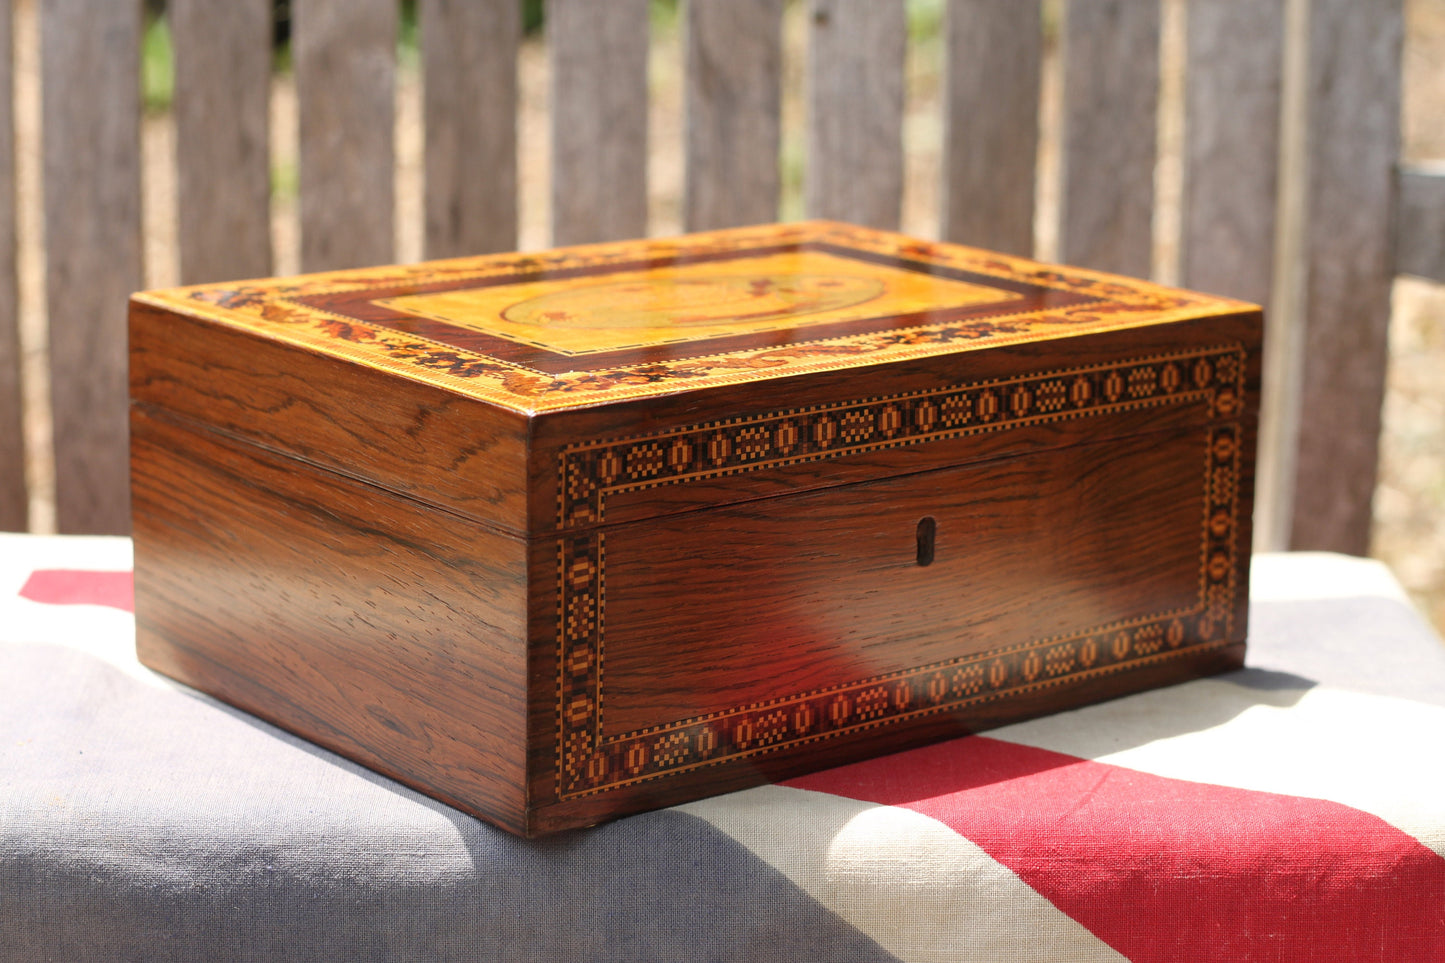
pixel 20 554
pixel 1293 576
pixel 1374 753
pixel 916 887
pixel 105 633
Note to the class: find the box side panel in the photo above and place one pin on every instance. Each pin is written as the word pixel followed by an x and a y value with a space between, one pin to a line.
pixel 705 651
pixel 684 452
pixel 398 433
pixel 380 628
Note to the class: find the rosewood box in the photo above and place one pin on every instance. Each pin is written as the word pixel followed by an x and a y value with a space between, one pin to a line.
pixel 558 537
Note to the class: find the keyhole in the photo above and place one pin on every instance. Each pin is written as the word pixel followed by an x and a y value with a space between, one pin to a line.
pixel 927 527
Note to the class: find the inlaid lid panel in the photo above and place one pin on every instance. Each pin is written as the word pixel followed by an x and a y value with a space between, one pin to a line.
pixel 612 322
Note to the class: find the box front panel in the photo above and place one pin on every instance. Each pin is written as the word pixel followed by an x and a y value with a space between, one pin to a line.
pixel 727 646
pixel 829 591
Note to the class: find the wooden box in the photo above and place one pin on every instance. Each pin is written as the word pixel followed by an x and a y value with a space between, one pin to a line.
pixel 558 537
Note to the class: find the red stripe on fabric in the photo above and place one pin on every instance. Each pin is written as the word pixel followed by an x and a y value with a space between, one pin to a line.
pixel 66 586
pixel 1169 870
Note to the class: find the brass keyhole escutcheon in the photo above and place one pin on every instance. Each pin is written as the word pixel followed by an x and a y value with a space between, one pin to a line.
pixel 927 528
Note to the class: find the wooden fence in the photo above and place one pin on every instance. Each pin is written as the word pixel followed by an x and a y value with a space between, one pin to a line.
pixel 1291 120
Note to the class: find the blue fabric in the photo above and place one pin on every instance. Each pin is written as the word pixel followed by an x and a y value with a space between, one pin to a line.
pixel 1373 645
pixel 145 823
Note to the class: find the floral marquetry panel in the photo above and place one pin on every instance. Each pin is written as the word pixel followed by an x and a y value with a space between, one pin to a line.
pixel 578 326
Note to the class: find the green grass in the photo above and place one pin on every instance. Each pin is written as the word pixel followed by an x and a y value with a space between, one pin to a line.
pixel 925 19
pixel 158 72
pixel 285 181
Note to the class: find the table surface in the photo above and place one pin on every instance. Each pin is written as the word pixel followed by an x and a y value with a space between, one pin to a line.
pixel 1293 810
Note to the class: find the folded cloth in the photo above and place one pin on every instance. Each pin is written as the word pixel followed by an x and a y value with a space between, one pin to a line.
pixel 1294 810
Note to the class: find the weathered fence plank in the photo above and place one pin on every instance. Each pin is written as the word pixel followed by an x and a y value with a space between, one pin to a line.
pixel 1353 137
pixel 991 133
pixel 1421 249
pixel 599 119
pixel 14 502
pixel 90 95
pixel 733 103
pixel 1231 152
pixel 855 111
pixel 223 176
pixel 1111 95
pixel 1234 84
pixel 469 60
pixel 345 56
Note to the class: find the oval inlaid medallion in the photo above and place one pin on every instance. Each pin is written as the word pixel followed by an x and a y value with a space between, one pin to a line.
pixel 685 302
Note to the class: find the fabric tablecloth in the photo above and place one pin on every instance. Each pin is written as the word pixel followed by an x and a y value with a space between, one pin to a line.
pixel 1294 810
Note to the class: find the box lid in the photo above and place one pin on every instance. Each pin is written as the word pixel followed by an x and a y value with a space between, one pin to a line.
pixel 548 392
pixel 608 323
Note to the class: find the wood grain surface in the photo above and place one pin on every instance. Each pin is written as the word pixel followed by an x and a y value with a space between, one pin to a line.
pixel 407 437
pixel 1088 534
pixel 1111 96
pixel 367 623
pixel 469 64
pixel 223 161
pixel 1353 137
pixel 855 111
pixel 14 498
pixel 1231 155
pixel 90 93
pixel 990 157
pixel 1421 247
pixel 345 56
pixel 599 119
pixel 733 66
